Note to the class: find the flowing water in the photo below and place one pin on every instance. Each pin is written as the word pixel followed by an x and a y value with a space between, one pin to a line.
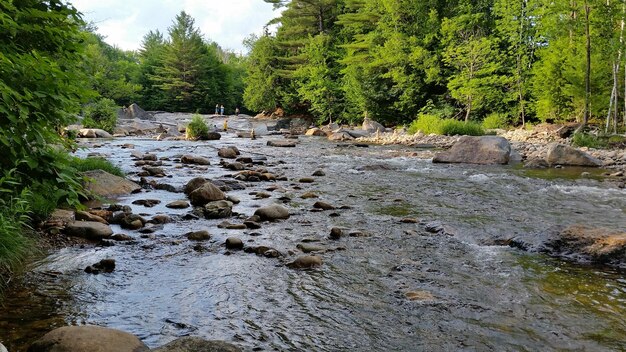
pixel 471 296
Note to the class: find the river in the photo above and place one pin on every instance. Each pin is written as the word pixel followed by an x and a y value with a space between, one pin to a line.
pixel 470 296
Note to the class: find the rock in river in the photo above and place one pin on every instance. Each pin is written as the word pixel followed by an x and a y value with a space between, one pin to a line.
pixel 272 212
pixel 206 193
pixel 578 242
pixel 196 344
pixel 218 210
pixel 178 204
pixel 477 150
pixel 105 184
pixel 194 159
pixel 306 262
pixel 198 235
pixel 559 154
pixel 234 243
pixel 87 339
pixel 88 229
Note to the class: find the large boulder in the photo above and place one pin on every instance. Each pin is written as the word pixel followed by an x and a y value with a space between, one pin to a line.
pixel 87 339
pixel 372 126
pixel 477 150
pixel 194 184
pixel 93 133
pixel 579 243
pixel 196 344
pixel 272 212
pixel 341 135
pixel 206 193
pixel 91 230
pixel 559 154
pixel 136 112
pixel 105 184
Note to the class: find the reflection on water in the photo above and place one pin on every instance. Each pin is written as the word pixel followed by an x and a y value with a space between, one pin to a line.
pixel 484 298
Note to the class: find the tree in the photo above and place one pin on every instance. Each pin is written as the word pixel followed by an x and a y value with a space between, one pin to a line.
pixel 150 60
pixel 261 81
pixel 179 77
pixel 41 87
pixel 472 56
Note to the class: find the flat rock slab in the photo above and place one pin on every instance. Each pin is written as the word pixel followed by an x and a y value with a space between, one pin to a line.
pixel 87 339
pixel 477 150
pixel 105 184
pixel 88 229
pixel 281 144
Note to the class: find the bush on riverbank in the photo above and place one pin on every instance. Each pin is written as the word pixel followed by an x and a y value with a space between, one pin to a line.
pixel 581 139
pixel 433 124
pixel 102 114
pixel 89 164
pixel 197 128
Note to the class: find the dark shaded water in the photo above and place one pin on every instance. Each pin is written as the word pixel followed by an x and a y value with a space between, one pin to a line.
pixel 483 297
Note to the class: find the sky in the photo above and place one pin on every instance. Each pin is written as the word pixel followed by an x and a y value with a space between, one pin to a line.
pixel 226 22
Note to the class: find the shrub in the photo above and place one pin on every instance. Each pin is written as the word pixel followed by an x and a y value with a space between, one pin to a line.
pixel 102 114
pixel 452 127
pixel 14 219
pixel 495 120
pixel 587 140
pixel 426 123
pixel 197 128
pixel 89 164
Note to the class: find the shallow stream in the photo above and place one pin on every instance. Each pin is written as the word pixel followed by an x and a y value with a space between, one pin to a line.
pixel 471 296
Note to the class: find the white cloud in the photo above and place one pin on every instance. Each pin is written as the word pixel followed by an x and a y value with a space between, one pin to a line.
pixel 125 22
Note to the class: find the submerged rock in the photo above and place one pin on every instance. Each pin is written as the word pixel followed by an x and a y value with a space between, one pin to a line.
pixel 579 243
pixel 306 262
pixel 198 235
pixel 87 339
pixel 477 150
pixel 196 344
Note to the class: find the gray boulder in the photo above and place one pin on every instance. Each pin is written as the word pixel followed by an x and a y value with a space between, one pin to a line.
pixel 93 133
pixel 372 126
pixel 88 229
pixel 272 212
pixel 105 184
pixel 218 210
pixel 194 159
pixel 477 150
pixel 87 339
pixel 559 154
pixel 281 144
pixel 196 344
pixel 206 193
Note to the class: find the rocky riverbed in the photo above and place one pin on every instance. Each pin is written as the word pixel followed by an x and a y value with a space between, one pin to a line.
pixel 306 243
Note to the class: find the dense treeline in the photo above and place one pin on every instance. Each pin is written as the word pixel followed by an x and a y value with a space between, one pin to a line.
pixel 510 61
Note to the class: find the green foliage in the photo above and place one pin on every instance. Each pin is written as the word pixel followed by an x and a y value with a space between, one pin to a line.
pixel 495 120
pixel 581 139
pixel 451 127
pixel 197 128
pixel 14 219
pixel 101 114
pixel 427 124
pixel 89 164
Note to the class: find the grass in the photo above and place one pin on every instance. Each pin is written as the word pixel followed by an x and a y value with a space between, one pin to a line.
pixel 588 140
pixel 15 246
pixel 89 164
pixel 432 124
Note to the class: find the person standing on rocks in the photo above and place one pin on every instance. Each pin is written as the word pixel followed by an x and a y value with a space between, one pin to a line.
pixel 222 110
pixel 237 111
pixel 217 109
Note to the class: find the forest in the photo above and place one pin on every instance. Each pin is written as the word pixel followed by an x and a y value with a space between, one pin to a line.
pixel 496 62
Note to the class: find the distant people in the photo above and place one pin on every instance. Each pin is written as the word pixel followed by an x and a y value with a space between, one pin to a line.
pixel 222 110
pixel 236 111
pixel 217 109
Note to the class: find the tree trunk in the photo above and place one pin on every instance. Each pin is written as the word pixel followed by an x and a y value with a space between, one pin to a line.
pixel 587 66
